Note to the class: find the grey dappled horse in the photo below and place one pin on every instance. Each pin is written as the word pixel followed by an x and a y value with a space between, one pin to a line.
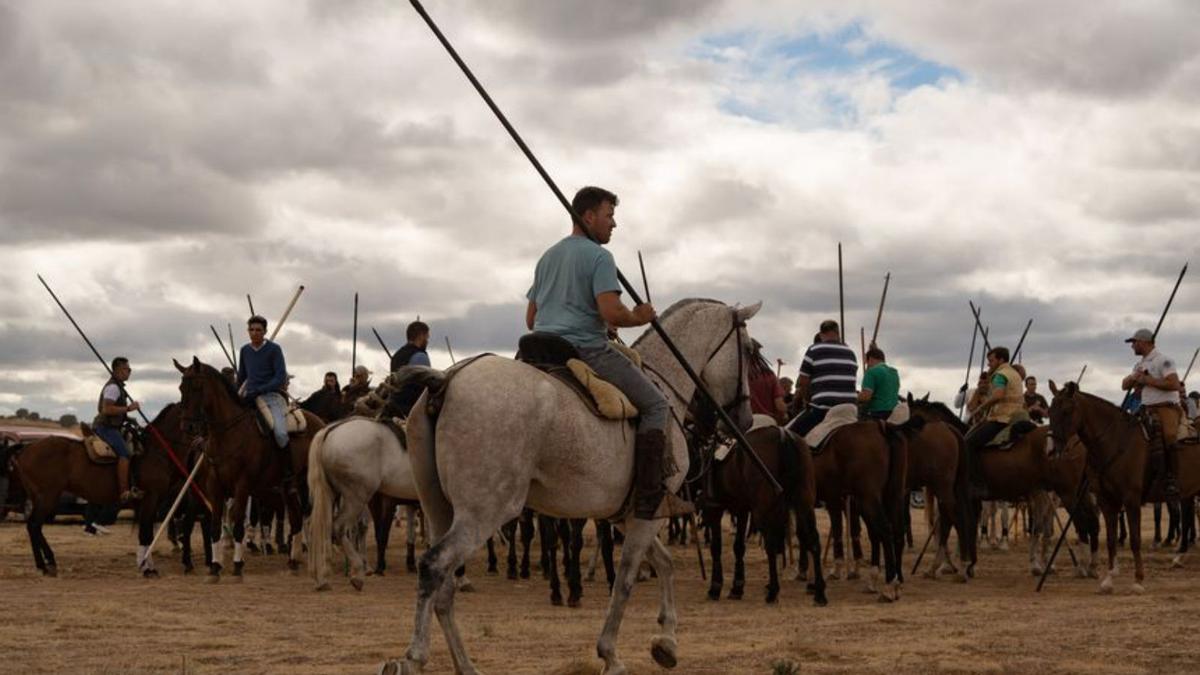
pixel 508 436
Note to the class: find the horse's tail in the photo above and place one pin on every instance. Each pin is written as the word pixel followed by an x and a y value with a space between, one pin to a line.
pixel 420 430
pixel 894 488
pixel 931 506
pixel 968 529
pixel 320 523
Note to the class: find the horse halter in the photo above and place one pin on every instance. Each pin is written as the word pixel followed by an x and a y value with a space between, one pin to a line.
pixel 195 417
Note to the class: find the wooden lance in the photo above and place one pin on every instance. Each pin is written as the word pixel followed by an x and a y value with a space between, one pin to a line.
pixel 287 312
pixel 150 427
pixel 232 345
pixel 222 343
pixel 381 344
pixel 841 298
pixel 452 359
pixel 701 389
pixel 987 346
pixel 354 339
pixel 1079 379
pixel 645 281
pixel 1082 491
pixel 879 315
pixel 251 304
pixel 970 363
pixel 1020 343
pixel 182 491
pixel 1192 363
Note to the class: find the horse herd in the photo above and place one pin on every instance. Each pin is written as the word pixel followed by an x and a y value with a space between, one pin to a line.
pixel 494 440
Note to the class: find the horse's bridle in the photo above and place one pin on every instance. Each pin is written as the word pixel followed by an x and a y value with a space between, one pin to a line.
pixel 740 395
pixel 197 414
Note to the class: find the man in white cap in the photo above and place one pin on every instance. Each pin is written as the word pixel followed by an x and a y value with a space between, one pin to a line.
pixel 360 385
pixel 1154 379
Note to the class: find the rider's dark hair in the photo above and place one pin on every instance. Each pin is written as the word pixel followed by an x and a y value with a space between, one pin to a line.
pixel 876 353
pixel 119 361
pixel 590 197
pixel 829 325
pixel 415 330
pixel 256 319
pixel 1000 353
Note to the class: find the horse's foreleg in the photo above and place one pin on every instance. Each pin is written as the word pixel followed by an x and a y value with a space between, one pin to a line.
pixel 574 572
pixel 639 536
pixel 834 508
pixel 410 547
pixel 292 509
pixel 854 525
pixel 1187 509
pixel 717 579
pixel 185 535
pixel 605 536
pixel 548 531
pixel 510 560
pixel 663 647
pixel 741 522
pixel 145 557
pixel 810 547
pixel 1134 513
pixel 774 535
pixel 216 533
pixel 238 516
pixel 1111 514
pixel 526 525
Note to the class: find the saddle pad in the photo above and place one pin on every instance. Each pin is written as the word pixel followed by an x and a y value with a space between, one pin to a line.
pixel 900 415
pixel 612 403
pixel 628 352
pixel 837 417
pixel 294 418
pixel 98 451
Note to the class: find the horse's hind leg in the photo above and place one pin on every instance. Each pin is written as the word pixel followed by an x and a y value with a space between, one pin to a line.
pixel 639 537
pixel 346 526
pixel 547 528
pixel 410 548
pixel 605 530
pixel 717 578
pixel 741 522
pixel 33 526
pixel 1134 512
pixel 810 547
pixel 854 525
pixel 574 572
pixel 510 533
pixel 526 525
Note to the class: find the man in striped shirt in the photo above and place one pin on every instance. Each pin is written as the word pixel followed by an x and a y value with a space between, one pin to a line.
pixel 828 377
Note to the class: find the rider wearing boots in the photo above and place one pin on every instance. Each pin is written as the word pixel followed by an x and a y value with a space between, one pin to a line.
pixel 114 407
pixel 1154 378
pixel 576 295
pixel 262 373
pixel 1005 398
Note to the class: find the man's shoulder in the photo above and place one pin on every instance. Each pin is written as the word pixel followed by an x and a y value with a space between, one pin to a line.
pixel 829 350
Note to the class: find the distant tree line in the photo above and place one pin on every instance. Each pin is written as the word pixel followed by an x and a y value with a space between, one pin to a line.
pixel 67 420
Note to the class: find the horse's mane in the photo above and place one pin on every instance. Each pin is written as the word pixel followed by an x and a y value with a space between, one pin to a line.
pixel 206 369
pixel 943 411
pixel 677 308
pixel 157 421
pixel 1105 403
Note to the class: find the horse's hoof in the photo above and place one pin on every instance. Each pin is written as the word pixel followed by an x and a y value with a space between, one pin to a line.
pixel 357 584
pixel 491 571
pixel 556 600
pixel 292 565
pixel 573 603
pixel 851 575
pixel 524 574
pixel 1034 570
pixel 324 586
pixel 188 570
pixel 150 574
pixel 1138 589
pixel 1081 573
pixel 800 576
pixel 465 586
pixel 512 575
pixel 617 668
pixel 212 578
pixel 772 596
pixel 714 594
pixel 663 649
pixel 736 593
pixel 1176 563
pixel 50 571
pixel 1106 586
pixel 820 600
pixel 410 567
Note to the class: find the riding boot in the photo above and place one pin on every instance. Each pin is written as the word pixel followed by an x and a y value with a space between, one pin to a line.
pixel 127 494
pixel 651 500
pixel 1170 478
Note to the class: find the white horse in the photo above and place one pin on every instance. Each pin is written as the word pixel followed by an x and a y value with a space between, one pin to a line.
pixel 508 435
pixel 348 462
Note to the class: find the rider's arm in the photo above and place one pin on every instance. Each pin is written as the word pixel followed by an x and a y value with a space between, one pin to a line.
pixel 1168 383
pixel 111 407
pixel 615 313
pixel 802 388
pixel 530 314
pixel 865 395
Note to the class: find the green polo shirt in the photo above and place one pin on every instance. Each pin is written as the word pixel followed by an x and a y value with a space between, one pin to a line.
pixel 884 383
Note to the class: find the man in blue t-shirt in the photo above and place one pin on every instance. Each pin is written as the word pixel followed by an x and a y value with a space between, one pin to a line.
pixel 576 295
pixel 262 373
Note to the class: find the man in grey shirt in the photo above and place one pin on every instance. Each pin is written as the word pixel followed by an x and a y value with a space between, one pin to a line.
pixel 576 295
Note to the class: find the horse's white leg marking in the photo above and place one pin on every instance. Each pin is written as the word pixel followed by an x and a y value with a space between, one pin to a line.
pixel 664 647
pixel 638 535
pixel 238 550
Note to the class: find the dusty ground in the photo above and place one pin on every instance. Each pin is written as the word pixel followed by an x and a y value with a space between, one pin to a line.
pixel 98 616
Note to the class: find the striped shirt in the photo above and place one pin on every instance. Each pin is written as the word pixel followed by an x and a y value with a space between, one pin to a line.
pixel 832 372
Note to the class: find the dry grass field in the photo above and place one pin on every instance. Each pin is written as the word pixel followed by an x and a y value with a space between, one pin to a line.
pixel 99 617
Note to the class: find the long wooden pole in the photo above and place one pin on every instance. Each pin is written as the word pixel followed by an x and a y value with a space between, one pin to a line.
pixel 1083 483
pixel 232 345
pixel 449 349
pixel 153 430
pixel 1020 343
pixel 701 389
pixel 287 312
pixel 841 298
pixel 970 364
pixel 222 343
pixel 182 491
pixel 1079 379
pixel 879 315
pixel 381 344
pixel 1189 368
pixel 354 339
pixel 251 304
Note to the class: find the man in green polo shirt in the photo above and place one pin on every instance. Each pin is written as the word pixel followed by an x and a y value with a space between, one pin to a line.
pixel 880 386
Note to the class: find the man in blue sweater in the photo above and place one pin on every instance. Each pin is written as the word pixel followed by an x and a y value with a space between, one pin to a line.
pixel 262 373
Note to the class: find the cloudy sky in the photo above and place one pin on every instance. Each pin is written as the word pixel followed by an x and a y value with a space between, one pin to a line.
pixel 159 161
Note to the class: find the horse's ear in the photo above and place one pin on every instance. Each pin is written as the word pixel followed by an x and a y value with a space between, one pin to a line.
pixel 178 367
pixel 746 313
pixel 925 398
pixel 1053 388
pixel 909 397
pixel 195 360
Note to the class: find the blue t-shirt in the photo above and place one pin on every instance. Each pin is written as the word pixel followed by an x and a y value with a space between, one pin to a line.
pixel 569 276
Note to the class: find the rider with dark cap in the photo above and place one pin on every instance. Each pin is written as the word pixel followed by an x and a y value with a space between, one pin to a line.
pixel 1154 378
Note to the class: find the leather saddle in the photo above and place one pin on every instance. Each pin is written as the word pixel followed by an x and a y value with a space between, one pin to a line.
pixel 1009 436
pixel 559 358
pixel 99 451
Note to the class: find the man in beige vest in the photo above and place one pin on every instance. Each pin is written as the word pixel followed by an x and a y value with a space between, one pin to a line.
pixel 1155 380
pixel 1005 398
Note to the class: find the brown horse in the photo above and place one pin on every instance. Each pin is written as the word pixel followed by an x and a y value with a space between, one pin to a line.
pixel 738 486
pixel 867 462
pixel 54 465
pixel 935 462
pixel 242 460
pixel 1120 470
pixel 1017 472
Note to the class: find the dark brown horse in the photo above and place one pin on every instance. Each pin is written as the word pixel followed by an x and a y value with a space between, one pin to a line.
pixel 739 487
pixel 935 462
pixel 1121 472
pixel 54 465
pixel 867 462
pixel 242 459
